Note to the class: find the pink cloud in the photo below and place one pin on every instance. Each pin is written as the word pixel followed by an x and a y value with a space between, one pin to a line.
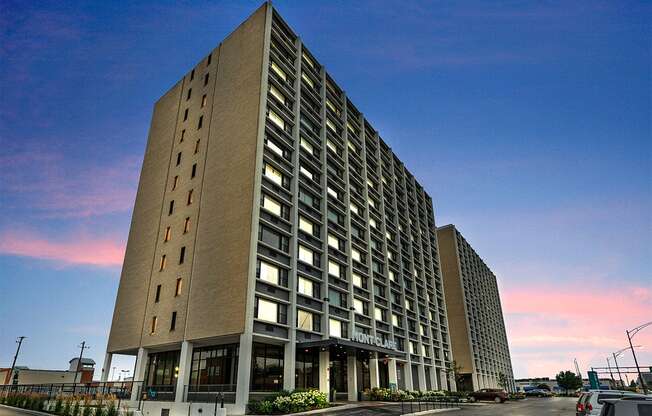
pixel 550 325
pixel 79 250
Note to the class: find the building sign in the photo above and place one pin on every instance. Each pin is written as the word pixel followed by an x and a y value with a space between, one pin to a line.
pixel 372 340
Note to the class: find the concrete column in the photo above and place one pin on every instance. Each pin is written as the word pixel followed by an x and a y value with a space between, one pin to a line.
pixel 433 379
pixel 351 377
pixel 443 380
pixel 422 378
pixel 393 374
pixel 476 384
pixel 244 374
pixel 289 366
pixel 407 374
pixel 185 361
pixel 139 373
pixel 374 374
pixel 106 369
pixel 324 373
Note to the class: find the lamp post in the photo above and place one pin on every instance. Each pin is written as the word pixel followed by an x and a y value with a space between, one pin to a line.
pixel 630 335
pixel 610 373
pixel 616 355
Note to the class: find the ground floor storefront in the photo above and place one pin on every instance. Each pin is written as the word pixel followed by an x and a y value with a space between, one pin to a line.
pixel 237 370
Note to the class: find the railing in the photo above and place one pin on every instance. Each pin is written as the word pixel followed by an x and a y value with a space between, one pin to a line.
pixel 121 390
pixel 210 393
pixel 428 403
pixel 162 393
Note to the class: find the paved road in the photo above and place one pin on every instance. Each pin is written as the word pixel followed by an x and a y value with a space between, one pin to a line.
pixel 551 406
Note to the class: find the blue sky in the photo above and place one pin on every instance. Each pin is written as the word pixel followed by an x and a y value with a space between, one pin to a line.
pixel 528 123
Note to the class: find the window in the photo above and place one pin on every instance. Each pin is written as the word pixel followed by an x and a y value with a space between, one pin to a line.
pixel 409 304
pixel 193 173
pixel 153 327
pixel 175 182
pixel 276 119
pixel 182 255
pixel 307 145
pixel 277 94
pixel 167 234
pixel 178 158
pixel 307 80
pixel 335 217
pixel 186 225
pixel 307 287
pixel 307 255
pixel 183 135
pixel 173 321
pixel 163 262
pixel 360 307
pixel 334 269
pixel 330 125
pixel 200 122
pixel 271 145
pixel 269 311
pixel 392 276
pixel 330 105
pixel 424 330
pixel 372 222
pixel 332 146
pixel 337 298
pixel 206 79
pixel 185 115
pixel 273 174
pixel 268 272
pixel 266 367
pixel 177 288
pixel 413 347
pixel 396 321
pixel 304 320
pixel 273 238
pixel 272 205
pixel 197 146
pixel 379 290
pixel 204 99
pixel 355 255
pixel 189 94
pixel 306 172
pixel 332 192
pixel 192 74
pixel 307 226
pixel 359 281
pixel 354 209
pixel 333 241
pixel 208 60
pixel 214 365
pixel 277 69
pixel 158 294
pixel 335 329
pixel 379 314
pixel 190 197
pixel 171 209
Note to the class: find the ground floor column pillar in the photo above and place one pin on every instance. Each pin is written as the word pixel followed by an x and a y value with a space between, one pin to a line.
pixel 407 374
pixel 106 369
pixel 476 384
pixel 351 377
pixel 374 374
pixel 139 374
pixel 183 379
pixel 422 377
pixel 289 366
pixel 324 372
pixel 244 374
pixel 393 374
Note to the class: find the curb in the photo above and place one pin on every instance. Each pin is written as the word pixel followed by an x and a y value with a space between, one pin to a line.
pixel 432 412
pixel 29 411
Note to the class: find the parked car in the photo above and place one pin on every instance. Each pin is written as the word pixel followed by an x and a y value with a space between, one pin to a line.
pixel 494 395
pixel 591 401
pixel 538 393
pixel 627 406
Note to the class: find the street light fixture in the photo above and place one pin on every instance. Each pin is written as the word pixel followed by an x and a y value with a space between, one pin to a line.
pixel 618 354
pixel 630 335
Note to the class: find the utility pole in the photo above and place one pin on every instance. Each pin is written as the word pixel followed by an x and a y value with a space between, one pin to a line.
pixel 610 373
pixel 19 341
pixel 82 347
pixel 618 369
pixel 638 369
pixel 577 368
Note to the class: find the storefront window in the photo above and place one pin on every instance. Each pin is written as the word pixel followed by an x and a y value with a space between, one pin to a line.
pixel 214 365
pixel 266 367
pixel 161 368
pixel 307 370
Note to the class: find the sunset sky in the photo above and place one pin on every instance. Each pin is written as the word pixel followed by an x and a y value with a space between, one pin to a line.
pixel 529 125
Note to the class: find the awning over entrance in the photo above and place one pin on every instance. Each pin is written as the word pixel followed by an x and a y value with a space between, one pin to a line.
pixel 334 342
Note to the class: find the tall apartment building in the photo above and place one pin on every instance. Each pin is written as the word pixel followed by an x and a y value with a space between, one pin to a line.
pixel 475 316
pixel 276 242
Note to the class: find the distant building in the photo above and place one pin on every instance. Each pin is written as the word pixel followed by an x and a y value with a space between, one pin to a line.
pixel 26 375
pixel 475 316
pixel 527 384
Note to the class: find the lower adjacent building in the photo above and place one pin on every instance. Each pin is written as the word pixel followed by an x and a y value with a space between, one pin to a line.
pixel 74 374
pixel 475 315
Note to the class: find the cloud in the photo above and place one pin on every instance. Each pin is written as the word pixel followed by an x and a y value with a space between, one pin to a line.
pixel 75 250
pixel 60 188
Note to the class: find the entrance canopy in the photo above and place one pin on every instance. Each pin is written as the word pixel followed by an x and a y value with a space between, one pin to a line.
pixel 338 342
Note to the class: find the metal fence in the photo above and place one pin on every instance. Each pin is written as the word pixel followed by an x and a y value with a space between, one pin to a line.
pixel 120 390
pixel 210 393
pixel 428 403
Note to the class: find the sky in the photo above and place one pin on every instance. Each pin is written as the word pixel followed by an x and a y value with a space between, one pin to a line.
pixel 527 122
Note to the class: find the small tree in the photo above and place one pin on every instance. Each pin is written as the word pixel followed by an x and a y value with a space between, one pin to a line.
pixel 503 383
pixel 455 370
pixel 568 380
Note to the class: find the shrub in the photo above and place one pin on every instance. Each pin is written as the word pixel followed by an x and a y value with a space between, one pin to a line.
pixel 285 402
pixel 87 411
pixel 58 406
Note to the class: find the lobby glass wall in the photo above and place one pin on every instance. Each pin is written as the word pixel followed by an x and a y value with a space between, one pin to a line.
pixel 215 365
pixel 160 375
pixel 266 367
pixel 307 369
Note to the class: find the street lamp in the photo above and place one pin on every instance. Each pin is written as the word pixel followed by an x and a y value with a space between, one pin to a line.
pixel 630 335
pixel 616 355
pixel 124 372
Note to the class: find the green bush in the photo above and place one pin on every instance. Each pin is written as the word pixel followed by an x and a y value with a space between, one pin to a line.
pixel 285 402
pixel 88 411
pixel 99 411
pixel 58 406
pixel 111 410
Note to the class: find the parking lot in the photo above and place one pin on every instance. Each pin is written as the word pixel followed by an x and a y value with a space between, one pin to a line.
pixel 529 407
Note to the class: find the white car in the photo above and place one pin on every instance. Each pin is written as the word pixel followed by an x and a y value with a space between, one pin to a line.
pixel 593 403
pixel 629 406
